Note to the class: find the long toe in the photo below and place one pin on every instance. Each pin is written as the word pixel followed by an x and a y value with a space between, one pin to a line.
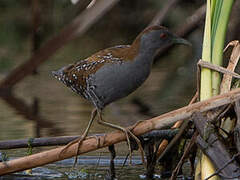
pixel 77 140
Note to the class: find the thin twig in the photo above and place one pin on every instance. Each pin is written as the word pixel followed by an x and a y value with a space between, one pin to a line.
pixel 164 146
pixel 233 61
pixel 175 139
pixel 185 154
pixel 220 69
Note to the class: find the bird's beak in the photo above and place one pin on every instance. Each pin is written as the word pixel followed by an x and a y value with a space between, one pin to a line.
pixel 178 40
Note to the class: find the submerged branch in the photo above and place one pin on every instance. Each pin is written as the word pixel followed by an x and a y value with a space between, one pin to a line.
pixel 63 140
pixel 36 142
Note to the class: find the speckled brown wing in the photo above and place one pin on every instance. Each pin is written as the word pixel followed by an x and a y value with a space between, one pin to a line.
pixel 76 75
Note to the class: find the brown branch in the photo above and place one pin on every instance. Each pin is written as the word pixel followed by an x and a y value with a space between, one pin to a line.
pixel 90 144
pixel 220 69
pixel 234 58
pixel 76 28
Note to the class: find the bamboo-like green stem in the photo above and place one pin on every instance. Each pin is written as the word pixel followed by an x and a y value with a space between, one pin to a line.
pixel 206 84
pixel 213 3
pixel 223 13
pixel 217 16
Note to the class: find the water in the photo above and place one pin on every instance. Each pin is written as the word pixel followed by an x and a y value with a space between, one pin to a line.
pixel 89 167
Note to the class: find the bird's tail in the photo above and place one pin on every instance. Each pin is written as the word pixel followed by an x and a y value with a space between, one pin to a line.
pixel 58 74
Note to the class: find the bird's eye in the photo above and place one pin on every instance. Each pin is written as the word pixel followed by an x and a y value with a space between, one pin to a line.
pixel 163 35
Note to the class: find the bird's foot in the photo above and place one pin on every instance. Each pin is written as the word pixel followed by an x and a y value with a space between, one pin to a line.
pixel 136 124
pixel 139 145
pixel 79 142
pixel 138 141
pixel 130 134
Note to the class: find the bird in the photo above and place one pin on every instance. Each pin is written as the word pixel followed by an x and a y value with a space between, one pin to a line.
pixel 115 72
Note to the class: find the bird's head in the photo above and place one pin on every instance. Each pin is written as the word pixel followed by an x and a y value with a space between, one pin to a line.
pixel 155 37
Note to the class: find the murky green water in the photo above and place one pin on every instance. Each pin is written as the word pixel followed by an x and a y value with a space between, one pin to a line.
pixel 88 167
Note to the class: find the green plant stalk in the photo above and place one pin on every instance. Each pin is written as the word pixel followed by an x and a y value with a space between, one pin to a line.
pixel 205 165
pixel 213 3
pixel 214 35
pixel 206 81
pixel 215 13
pixel 218 43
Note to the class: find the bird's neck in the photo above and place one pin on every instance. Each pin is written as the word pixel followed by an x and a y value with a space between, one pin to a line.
pixel 144 53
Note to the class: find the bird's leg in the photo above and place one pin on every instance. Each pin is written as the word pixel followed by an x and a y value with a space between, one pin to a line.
pixel 83 137
pixel 127 133
pixel 139 145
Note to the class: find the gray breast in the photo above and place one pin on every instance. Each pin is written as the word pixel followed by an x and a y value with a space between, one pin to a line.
pixel 114 81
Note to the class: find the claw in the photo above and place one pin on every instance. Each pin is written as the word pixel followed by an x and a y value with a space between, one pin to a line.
pixel 127 133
